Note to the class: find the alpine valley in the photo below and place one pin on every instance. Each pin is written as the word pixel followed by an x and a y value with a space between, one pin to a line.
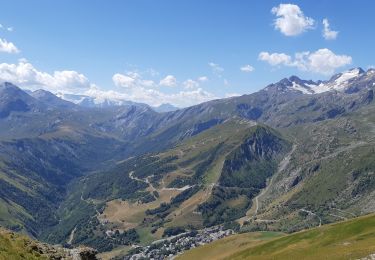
pixel 130 180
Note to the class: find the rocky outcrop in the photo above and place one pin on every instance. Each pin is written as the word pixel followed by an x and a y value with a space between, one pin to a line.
pixel 17 246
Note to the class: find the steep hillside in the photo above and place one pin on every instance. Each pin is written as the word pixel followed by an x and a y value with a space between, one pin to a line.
pixel 330 175
pixel 353 239
pixel 34 173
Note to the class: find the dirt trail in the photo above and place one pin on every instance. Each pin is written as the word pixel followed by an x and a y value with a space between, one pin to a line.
pixel 312 213
pixel 135 178
pixel 71 236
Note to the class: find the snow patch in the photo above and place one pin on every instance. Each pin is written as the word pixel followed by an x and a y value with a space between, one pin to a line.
pixel 302 89
pixel 340 83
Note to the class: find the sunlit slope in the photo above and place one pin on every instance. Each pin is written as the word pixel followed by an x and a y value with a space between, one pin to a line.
pixel 230 245
pixel 351 239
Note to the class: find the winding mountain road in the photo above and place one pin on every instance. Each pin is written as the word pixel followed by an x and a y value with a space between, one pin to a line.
pixel 146 180
pixel 314 214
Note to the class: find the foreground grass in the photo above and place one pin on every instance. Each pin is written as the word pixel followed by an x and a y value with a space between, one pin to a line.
pixel 229 245
pixel 14 247
pixel 351 239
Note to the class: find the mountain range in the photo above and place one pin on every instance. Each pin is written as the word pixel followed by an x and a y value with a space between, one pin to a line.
pixel 87 101
pixel 293 155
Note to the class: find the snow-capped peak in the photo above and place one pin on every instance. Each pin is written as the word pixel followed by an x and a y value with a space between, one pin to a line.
pixel 339 82
pixel 293 84
pixel 347 75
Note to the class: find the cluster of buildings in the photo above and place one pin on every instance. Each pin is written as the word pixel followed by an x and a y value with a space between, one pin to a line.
pixel 170 247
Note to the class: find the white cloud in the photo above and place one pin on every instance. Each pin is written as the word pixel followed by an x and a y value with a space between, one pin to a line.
pixel 69 79
pixel 147 83
pixel 8 47
pixel 290 20
pixel 275 59
pixel 216 68
pixel 130 86
pixel 10 29
pixel 25 75
pixel 247 68
pixel 140 93
pixel 203 79
pixel 322 61
pixel 168 81
pixel 121 80
pixel 131 79
pixel 328 34
pixel 190 84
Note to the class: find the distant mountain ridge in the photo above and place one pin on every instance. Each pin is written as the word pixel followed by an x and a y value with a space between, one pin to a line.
pixel 87 101
pixel 342 82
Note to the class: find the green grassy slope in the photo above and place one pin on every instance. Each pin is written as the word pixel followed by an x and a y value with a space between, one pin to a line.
pixel 351 239
pixel 14 246
pixel 230 245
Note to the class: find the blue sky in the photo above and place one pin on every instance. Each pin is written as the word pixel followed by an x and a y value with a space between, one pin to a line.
pixel 124 49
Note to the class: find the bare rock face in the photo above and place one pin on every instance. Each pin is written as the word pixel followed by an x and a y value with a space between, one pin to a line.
pixel 83 253
pixel 56 252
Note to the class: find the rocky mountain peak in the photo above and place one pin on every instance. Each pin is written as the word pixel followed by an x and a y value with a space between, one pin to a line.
pixel 10 89
pixel 347 75
pixel 50 99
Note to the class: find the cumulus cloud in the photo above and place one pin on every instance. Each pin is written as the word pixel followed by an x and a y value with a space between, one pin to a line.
pixel 25 75
pixel 153 97
pixel 121 80
pixel 275 59
pixel 190 84
pixel 168 81
pixel 8 47
pixel 291 20
pixel 129 86
pixel 139 93
pixel 328 34
pixel 247 68
pixel 131 79
pixel 322 61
